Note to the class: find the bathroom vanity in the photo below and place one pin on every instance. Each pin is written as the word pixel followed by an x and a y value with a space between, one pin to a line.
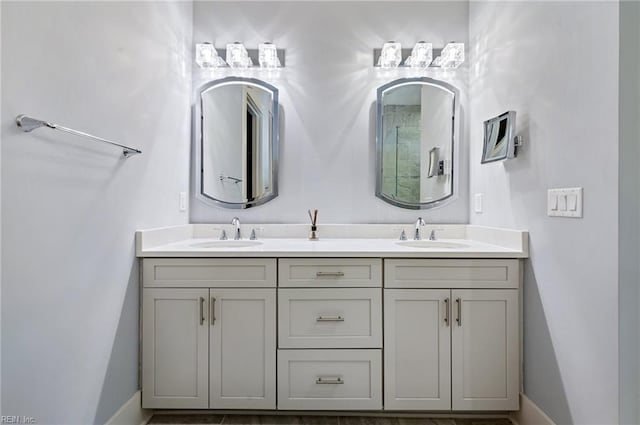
pixel 355 321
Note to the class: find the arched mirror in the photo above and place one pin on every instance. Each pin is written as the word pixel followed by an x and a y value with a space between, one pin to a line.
pixel 237 153
pixel 415 133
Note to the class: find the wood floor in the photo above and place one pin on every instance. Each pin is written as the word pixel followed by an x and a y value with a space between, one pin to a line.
pixel 313 420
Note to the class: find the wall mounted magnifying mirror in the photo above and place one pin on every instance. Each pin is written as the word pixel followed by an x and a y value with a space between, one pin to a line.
pixel 237 145
pixel 500 141
pixel 415 134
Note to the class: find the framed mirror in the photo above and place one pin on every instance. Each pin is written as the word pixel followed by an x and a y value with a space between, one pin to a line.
pixel 415 142
pixel 237 142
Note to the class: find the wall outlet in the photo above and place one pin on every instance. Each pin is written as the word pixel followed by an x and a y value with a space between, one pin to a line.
pixel 183 201
pixel 477 203
pixel 565 202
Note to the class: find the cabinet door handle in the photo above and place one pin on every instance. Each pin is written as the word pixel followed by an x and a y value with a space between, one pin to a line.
pixel 330 274
pixel 213 311
pixel 446 311
pixel 459 319
pixel 329 380
pixel 329 319
pixel 202 311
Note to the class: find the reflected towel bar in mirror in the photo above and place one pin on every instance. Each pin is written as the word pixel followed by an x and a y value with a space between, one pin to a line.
pixel 229 178
pixel 28 124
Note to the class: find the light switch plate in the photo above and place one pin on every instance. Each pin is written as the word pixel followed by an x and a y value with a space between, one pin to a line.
pixel 183 201
pixel 477 204
pixel 566 202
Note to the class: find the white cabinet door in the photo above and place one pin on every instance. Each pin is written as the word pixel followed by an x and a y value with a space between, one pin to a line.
pixel 485 349
pixel 242 348
pixel 417 349
pixel 175 348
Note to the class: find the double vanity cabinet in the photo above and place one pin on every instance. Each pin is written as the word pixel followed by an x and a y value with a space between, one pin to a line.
pixel 331 333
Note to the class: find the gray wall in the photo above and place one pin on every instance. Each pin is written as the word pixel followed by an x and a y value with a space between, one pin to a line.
pixel 629 211
pixel 556 64
pixel 327 93
pixel 70 207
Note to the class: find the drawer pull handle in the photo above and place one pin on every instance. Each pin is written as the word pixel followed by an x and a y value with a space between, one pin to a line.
pixel 213 311
pixel 329 381
pixel 459 319
pixel 202 311
pixel 446 311
pixel 329 319
pixel 329 274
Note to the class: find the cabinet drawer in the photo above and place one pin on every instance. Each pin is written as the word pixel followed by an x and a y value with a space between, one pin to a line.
pixel 451 273
pixel 329 380
pixel 330 318
pixel 209 272
pixel 330 272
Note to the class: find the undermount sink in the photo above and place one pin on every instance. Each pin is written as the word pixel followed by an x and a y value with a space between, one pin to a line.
pixel 225 244
pixel 433 244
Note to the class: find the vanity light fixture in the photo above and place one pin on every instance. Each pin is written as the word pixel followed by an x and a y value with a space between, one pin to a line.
pixel 451 57
pixel 207 56
pixel 237 56
pixel 391 55
pixel 268 55
pixel 421 55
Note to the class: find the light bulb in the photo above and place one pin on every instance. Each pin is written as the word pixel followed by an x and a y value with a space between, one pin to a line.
pixel 391 55
pixel 206 55
pixel 421 55
pixel 237 56
pixel 452 56
pixel 268 55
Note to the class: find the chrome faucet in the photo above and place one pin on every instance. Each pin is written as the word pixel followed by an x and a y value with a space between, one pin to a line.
pixel 419 222
pixel 236 234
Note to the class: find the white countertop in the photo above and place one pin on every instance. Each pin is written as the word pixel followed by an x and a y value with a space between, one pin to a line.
pixel 357 240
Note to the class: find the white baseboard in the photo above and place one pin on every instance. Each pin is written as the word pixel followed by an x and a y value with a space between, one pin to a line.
pixel 131 413
pixel 530 414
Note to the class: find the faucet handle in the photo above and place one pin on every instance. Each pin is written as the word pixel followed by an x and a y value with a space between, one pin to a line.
pixel 223 235
pixel 419 222
pixel 255 231
pixel 403 235
pixel 398 229
pixel 432 234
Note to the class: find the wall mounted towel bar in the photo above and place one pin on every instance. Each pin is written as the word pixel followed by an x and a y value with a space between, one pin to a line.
pixel 28 124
